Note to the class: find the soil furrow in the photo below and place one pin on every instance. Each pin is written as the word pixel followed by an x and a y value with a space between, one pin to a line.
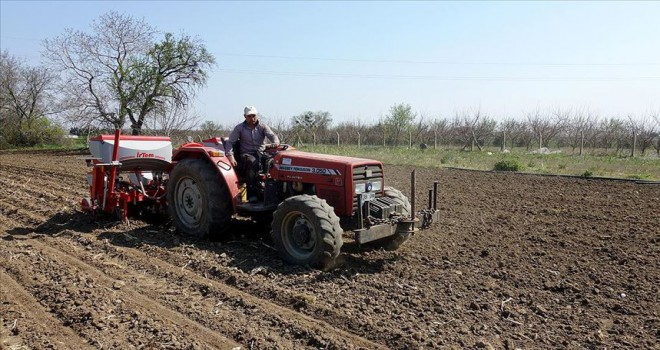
pixel 19 214
pixel 31 176
pixel 54 191
pixel 262 313
pixel 25 172
pixel 327 309
pixel 172 326
pixel 30 317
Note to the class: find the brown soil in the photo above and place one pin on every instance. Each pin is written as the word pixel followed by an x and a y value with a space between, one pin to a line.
pixel 516 261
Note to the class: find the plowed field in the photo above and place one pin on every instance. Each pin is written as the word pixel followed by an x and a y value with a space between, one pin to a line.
pixel 517 261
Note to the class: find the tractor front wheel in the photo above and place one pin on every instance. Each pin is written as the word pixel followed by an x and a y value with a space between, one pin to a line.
pixel 306 231
pixel 198 199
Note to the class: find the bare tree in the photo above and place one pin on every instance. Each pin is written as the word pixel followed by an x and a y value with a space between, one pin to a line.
pixel 473 128
pixel 166 121
pixel 644 129
pixel 25 99
pixel 419 129
pixel 440 130
pixel 516 132
pixel 119 71
pixel 547 127
pixel 281 127
pixel 581 127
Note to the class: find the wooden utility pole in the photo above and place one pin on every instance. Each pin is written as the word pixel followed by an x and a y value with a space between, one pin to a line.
pixel 337 138
pixel 634 144
pixel 358 139
pixel 435 139
pixel 409 139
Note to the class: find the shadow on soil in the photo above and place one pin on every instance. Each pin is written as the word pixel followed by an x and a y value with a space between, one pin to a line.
pixel 250 248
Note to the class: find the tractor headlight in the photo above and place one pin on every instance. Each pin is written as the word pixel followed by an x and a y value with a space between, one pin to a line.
pixel 360 188
pixel 376 186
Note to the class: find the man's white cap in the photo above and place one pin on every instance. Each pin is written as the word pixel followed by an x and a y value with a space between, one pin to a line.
pixel 250 110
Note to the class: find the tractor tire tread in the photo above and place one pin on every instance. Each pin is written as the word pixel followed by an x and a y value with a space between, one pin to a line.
pixel 327 221
pixel 219 204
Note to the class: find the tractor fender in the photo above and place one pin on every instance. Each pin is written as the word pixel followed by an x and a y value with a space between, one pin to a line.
pixel 222 165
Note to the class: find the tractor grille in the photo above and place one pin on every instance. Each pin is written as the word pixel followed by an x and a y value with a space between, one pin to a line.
pixel 366 173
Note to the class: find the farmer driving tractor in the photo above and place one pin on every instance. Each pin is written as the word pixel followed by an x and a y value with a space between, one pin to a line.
pixel 250 136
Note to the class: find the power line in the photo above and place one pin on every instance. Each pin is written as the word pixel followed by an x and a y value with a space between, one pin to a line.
pixel 429 77
pixel 18 38
pixel 441 62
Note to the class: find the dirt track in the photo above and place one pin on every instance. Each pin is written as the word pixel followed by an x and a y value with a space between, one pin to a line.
pixel 518 261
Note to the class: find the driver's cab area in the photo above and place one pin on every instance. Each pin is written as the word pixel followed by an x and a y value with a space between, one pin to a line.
pixel 265 191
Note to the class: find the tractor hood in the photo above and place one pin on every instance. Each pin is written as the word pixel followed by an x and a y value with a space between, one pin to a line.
pixel 295 155
pixel 318 168
pixel 337 179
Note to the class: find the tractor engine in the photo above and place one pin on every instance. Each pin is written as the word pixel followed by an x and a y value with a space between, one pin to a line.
pixel 354 187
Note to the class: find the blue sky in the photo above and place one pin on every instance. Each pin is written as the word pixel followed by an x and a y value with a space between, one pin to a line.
pixel 356 59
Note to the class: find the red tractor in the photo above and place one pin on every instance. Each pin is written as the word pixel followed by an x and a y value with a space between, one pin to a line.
pixel 312 199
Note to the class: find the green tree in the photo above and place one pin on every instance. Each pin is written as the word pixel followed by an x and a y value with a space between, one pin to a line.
pixel 398 121
pixel 313 122
pixel 119 71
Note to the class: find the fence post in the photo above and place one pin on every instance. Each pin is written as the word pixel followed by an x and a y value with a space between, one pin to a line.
pixel 503 141
pixel 581 141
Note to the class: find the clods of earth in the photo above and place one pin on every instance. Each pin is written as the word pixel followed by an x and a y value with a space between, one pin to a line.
pixel 516 261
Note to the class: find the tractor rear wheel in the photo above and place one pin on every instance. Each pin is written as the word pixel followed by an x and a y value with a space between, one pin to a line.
pixel 306 231
pixel 395 241
pixel 198 199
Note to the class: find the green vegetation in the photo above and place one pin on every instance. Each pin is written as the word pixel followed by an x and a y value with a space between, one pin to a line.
pixel 508 165
pixel 647 168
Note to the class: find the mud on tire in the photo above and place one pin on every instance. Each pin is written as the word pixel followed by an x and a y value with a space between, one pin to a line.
pixel 198 199
pixel 306 231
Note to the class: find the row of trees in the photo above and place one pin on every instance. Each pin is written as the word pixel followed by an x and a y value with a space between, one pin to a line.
pixel 552 128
